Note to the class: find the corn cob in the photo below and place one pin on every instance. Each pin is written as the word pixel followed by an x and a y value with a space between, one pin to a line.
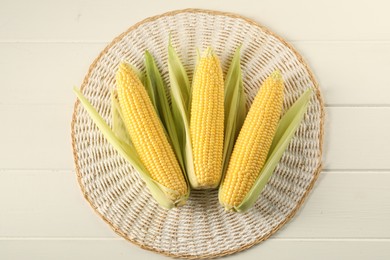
pixel 207 121
pixel 147 134
pixel 253 143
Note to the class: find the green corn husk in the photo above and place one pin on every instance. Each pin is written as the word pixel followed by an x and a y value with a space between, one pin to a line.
pixel 289 116
pixel 235 107
pixel 287 126
pixel 159 192
pixel 155 85
pixel 181 96
pixel 118 126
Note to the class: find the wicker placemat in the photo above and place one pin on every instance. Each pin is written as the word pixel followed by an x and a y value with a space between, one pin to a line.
pixel 201 228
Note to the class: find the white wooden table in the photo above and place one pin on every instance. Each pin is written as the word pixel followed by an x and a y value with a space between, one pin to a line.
pixel 46 48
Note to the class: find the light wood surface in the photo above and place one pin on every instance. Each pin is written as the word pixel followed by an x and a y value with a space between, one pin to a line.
pixel 46 48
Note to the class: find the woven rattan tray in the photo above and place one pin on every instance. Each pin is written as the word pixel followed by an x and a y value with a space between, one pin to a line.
pixel 201 228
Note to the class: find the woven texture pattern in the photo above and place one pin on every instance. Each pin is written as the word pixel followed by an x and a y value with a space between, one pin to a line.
pixel 201 228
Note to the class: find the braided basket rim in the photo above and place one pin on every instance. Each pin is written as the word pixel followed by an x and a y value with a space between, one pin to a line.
pixel 210 12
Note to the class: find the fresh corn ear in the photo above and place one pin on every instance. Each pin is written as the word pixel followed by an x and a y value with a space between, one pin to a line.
pixel 158 94
pixel 147 133
pixel 207 121
pixel 160 193
pixel 287 127
pixel 253 143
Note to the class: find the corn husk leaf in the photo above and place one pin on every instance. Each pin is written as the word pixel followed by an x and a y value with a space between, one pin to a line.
pixel 288 117
pixel 180 93
pixel 181 96
pixel 287 127
pixel 118 126
pixel 160 193
pixel 161 104
pixel 235 107
pixel 151 92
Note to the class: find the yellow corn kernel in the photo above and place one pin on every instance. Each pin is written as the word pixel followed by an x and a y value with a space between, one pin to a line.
pixel 253 142
pixel 147 133
pixel 207 121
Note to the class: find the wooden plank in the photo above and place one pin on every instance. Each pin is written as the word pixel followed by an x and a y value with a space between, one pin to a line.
pixel 46 204
pixel 39 136
pixel 344 205
pixel 36 137
pixel 63 65
pixel 350 73
pixel 101 21
pixel 357 138
pixel 118 249
pixel 42 73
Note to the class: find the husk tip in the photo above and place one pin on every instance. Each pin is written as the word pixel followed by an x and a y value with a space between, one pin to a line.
pixel 277 75
pixel 147 53
pixel 76 89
